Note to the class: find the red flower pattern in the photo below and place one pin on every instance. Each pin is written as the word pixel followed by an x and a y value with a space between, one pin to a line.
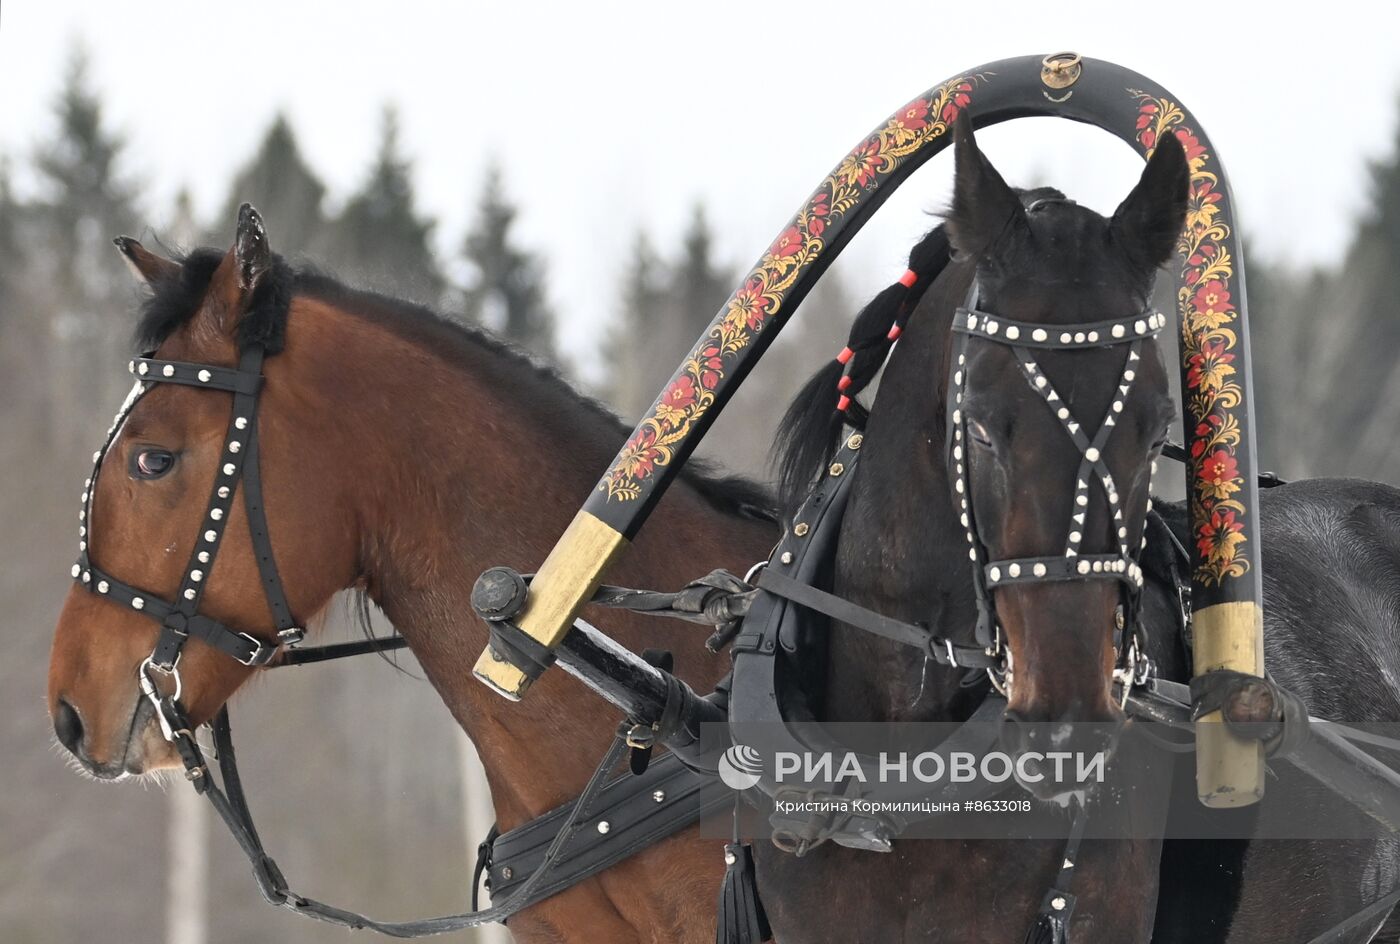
pixel 788 243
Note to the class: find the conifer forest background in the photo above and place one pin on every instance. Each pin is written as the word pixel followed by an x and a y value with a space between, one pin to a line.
pixel 396 836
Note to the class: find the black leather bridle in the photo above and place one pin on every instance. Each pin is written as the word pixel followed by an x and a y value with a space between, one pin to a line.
pixel 527 864
pixel 238 464
pixel 1068 564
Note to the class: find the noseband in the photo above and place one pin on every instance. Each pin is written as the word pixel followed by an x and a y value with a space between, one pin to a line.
pixel 238 462
pixel 971 324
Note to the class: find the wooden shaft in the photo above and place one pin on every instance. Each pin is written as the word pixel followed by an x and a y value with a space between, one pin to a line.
pixel 566 580
pixel 1229 770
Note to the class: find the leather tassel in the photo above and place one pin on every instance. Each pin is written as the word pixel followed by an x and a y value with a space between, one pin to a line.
pixel 742 919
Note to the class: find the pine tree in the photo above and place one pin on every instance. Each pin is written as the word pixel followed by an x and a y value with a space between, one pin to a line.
pixel 84 200
pixel 278 181
pixel 636 369
pixel 507 293
pixel 700 287
pixel 379 240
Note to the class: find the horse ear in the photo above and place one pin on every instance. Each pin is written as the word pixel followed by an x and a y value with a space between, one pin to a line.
pixel 1148 223
pixel 151 267
pixel 984 206
pixel 250 248
pixel 242 269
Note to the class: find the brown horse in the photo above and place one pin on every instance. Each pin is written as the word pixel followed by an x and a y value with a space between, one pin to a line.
pixel 401 454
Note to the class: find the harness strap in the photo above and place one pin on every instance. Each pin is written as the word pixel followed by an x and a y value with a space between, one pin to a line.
pixel 231 804
pixel 943 650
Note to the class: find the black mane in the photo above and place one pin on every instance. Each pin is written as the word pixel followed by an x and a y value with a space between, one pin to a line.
pixel 175 301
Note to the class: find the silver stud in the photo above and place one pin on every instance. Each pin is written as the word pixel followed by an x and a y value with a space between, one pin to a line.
pixel 168 370
pixel 103 586
pixel 83 498
pixel 1113 497
pixel 1149 504
pixel 87 483
pixel 963 519
pixel 229 468
pixel 1039 570
pixel 729 858
pixel 995 574
pixel 1081 500
pixel 1122 532
pixel 957 377
pixel 82 530
pixel 1129 375
pixel 1079 337
pixel 604 826
pixel 1117 406
pixel 972 554
pixel 1140 326
pixel 957 452
pixel 82 515
pixel 1083 567
pixel 96 455
pixel 211 536
pixel 992 327
pixel 1118 331
pixel 962 359
pixel 138 604
pixel 786 558
pixel 1066 338
pixel 131 367
pixel 1062 413
pixel 205 376
pixel 1013 332
pixel 1040 382
pixel 223 491
pixel 959 486
pixel 76 570
pixel 1039 334
pixel 1058 903
pixel 241 423
pixel 203 557
pixel 143 368
pixel 189 594
pixel 82 545
pixel 658 796
pixel 235 446
pixel 1091 454
pixel 971 322
pixel 1075 537
pixel 1093 336
pixel 216 513
pixel 196 575
pixel 1098 567
pixel 957 416
pixel 1014 570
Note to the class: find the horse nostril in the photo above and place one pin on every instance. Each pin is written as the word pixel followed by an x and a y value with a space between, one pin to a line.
pixel 68 726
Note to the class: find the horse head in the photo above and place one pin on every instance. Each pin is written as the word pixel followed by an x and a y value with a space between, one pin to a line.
pixel 1059 406
pixel 177 489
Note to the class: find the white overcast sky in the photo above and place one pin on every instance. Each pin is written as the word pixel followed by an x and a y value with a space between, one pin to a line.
pixel 610 116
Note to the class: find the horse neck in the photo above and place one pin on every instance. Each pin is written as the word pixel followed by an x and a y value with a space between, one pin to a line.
pixel 903 551
pixel 480 459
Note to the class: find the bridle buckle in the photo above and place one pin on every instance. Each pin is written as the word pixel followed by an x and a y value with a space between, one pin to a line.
pixel 291 636
pixel 262 652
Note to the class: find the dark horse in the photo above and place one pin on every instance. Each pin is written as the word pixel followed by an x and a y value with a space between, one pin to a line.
pixel 401 454
pixel 1332 583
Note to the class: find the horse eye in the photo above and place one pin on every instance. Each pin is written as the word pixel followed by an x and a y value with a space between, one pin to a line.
pixel 978 432
pixel 151 463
